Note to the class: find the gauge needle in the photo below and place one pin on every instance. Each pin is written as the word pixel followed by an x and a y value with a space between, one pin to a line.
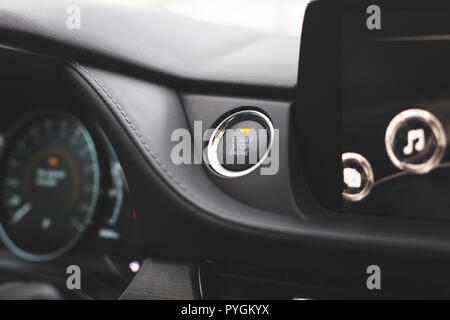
pixel 21 213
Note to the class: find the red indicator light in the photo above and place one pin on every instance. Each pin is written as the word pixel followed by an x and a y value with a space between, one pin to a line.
pixel 134 215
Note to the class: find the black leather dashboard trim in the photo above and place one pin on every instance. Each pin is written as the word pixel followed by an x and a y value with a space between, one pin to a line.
pixel 162 168
pixel 210 230
pixel 172 225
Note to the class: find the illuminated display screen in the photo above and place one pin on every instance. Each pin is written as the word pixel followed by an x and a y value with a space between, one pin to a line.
pixel 396 118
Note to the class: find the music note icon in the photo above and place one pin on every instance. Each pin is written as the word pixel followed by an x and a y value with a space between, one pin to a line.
pixel 416 141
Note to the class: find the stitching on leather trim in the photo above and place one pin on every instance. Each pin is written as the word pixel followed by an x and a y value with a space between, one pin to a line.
pixel 145 145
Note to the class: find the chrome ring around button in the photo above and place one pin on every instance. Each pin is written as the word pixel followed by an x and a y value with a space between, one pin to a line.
pixel 358 177
pixel 219 132
pixel 416 141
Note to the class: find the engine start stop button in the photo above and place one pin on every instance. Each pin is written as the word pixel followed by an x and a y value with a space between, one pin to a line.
pixel 240 143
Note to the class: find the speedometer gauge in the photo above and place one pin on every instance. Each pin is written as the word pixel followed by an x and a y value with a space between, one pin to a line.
pixel 50 186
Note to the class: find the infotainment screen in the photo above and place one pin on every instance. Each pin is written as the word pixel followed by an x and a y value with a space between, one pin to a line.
pixel 395 100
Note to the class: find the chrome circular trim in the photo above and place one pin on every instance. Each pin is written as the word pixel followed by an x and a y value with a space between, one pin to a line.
pixel 437 129
pixel 367 168
pixel 220 130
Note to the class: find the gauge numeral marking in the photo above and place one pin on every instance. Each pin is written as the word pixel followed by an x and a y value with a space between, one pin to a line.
pixel 13 183
pixel 21 213
pixel 14 201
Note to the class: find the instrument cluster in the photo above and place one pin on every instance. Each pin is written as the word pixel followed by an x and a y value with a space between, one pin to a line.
pixel 64 195
pixel 64 198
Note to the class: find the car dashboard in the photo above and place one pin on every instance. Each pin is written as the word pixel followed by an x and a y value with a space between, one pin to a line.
pixel 170 158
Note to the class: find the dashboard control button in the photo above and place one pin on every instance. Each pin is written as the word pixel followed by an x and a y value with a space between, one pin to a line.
pixel 415 141
pixel 240 143
pixel 358 177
